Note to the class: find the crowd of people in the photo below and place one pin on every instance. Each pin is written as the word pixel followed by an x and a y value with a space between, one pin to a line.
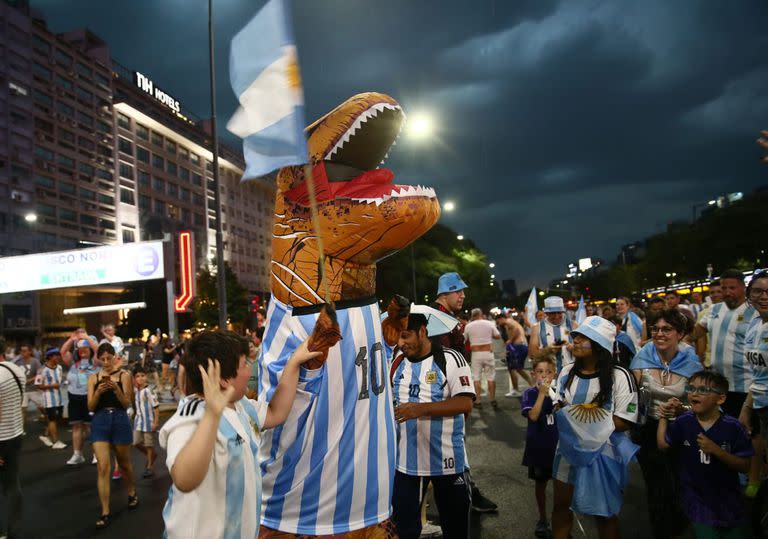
pixel 680 385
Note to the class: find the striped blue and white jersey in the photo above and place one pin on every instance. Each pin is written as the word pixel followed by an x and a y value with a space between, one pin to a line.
pixel 228 501
pixel 49 376
pixel 696 309
pixel 633 326
pixel 330 467
pixel 583 389
pixel 430 446
pixel 727 329
pixel 144 404
pixel 547 334
pixel 756 354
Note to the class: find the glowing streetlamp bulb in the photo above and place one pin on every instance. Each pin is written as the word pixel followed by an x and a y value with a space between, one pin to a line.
pixel 30 217
pixel 449 206
pixel 492 265
pixel 420 125
pixel 459 237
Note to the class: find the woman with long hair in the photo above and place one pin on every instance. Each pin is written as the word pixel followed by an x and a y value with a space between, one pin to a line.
pixel 598 400
pixel 662 369
pixel 110 394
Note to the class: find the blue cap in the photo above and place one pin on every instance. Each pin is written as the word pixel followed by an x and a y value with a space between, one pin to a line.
pixel 598 329
pixel 450 282
pixel 52 352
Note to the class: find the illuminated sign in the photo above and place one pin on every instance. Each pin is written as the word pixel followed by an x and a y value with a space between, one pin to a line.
pixel 145 84
pixel 187 265
pixel 585 264
pixel 82 267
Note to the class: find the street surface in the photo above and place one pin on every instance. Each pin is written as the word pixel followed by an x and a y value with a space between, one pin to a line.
pixel 61 501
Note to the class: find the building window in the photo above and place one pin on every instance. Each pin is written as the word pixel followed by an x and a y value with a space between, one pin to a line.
pixel 185 194
pixel 160 207
pixel 104 127
pixel 40 44
pixel 87 220
pixel 65 109
pixel 46 209
pixel 143 178
pixel 87 194
pixel 126 170
pixel 142 132
pixel 173 190
pixel 183 153
pixel 198 199
pixel 67 215
pixel 41 72
pixel 62 57
pixel 157 139
pixel 44 181
pixel 86 169
pixel 66 161
pixel 125 145
pixel 123 121
pixel 84 95
pixel 41 98
pixel 107 224
pixel 184 173
pixel 66 135
pixel 194 158
pixel 170 146
pixel 158 185
pixel 101 79
pixel 126 196
pixel 103 174
pixel 171 168
pixel 43 153
pixel 84 70
pixel 197 179
pixel 142 154
pixel 144 202
pixel 85 119
pixel 106 199
pixel 64 83
pixel 129 236
pixel 157 161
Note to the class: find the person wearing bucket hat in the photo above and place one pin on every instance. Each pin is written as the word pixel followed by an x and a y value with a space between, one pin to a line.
pixel 450 299
pixel 599 398
pixel 553 333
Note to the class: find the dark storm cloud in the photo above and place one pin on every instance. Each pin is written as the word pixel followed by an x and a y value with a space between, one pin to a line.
pixel 565 129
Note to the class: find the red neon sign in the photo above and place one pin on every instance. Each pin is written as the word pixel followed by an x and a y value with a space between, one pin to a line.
pixel 181 302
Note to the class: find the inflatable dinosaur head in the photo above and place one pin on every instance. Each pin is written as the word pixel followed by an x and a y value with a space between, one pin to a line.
pixel 364 216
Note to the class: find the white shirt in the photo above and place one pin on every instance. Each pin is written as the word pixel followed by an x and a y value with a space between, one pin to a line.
pixel 479 332
pixel 227 502
pixel 11 422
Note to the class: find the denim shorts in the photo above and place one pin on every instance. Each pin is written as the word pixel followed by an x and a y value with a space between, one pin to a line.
pixel 111 425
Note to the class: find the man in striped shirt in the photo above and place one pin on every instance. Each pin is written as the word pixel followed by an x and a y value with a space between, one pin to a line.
pixel 433 391
pixel 12 380
pixel 48 382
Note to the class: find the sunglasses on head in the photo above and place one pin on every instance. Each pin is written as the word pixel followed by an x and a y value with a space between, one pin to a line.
pixel 702 390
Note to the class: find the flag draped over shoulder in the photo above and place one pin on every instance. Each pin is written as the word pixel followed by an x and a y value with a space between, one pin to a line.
pixel 581 312
pixel 531 307
pixel 599 456
pixel 264 72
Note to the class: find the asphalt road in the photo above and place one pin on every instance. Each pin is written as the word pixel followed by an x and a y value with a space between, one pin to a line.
pixel 61 501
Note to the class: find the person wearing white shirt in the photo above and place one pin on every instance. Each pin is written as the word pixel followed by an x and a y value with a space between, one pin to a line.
pixel 480 333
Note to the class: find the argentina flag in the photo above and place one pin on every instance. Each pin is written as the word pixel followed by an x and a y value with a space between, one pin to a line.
pixel 264 72
pixel 531 307
pixel 581 312
pixel 598 457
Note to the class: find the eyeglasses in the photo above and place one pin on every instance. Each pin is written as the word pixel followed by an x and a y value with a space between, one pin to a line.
pixel 702 390
pixel 757 292
pixel 664 330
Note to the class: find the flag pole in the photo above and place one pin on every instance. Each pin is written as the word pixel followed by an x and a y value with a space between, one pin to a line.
pixel 221 282
pixel 315 216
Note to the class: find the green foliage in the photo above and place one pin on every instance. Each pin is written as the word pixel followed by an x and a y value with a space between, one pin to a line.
pixel 206 304
pixel 435 253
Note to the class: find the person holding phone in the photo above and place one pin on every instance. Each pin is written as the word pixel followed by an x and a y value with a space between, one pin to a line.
pixel 109 396
pixel 553 333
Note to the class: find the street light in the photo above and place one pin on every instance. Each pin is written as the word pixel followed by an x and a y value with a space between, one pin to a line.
pixel 31 217
pixel 459 237
pixel 492 265
pixel 449 206
pixel 420 126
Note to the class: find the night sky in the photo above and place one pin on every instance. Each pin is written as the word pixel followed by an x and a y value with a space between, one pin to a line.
pixel 563 129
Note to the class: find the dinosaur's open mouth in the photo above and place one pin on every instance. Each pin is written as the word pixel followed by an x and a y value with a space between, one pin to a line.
pixel 366 143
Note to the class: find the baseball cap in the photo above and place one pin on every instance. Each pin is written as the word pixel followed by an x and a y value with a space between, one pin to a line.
pixel 554 304
pixel 83 343
pixel 450 282
pixel 52 352
pixel 598 329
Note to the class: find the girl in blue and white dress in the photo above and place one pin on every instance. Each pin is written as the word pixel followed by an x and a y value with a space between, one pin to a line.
pixel 598 400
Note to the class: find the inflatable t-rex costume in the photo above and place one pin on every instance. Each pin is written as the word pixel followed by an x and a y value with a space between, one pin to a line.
pixel 329 469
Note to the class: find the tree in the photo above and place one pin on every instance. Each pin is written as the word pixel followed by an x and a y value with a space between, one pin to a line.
pixel 206 304
pixel 153 317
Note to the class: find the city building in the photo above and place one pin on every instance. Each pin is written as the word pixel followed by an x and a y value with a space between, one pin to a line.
pixel 92 153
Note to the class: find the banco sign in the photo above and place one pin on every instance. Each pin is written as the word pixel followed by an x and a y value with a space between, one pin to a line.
pixel 82 267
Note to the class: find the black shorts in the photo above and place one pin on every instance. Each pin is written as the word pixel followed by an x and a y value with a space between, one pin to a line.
pixel 539 473
pixel 54 413
pixel 516 355
pixel 78 409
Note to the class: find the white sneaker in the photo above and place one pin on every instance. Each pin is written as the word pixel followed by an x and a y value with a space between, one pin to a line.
pixel 59 445
pixel 512 394
pixel 76 459
pixel 430 530
pixel 47 441
pixel 93 460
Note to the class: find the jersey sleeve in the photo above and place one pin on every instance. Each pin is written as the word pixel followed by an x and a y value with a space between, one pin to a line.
pixel 706 318
pixel 177 432
pixel 458 375
pixel 495 330
pixel 674 434
pixel 152 399
pixel 624 395
pixel 742 445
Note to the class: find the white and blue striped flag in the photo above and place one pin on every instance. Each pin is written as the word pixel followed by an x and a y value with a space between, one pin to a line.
pixel 264 72
pixel 531 307
pixel 581 312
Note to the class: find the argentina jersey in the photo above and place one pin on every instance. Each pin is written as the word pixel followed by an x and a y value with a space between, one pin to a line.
pixel 633 326
pixel 52 397
pixel 144 404
pixel 329 468
pixel 548 335
pixel 727 329
pixel 432 446
pixel 583 390
pixel 756 354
